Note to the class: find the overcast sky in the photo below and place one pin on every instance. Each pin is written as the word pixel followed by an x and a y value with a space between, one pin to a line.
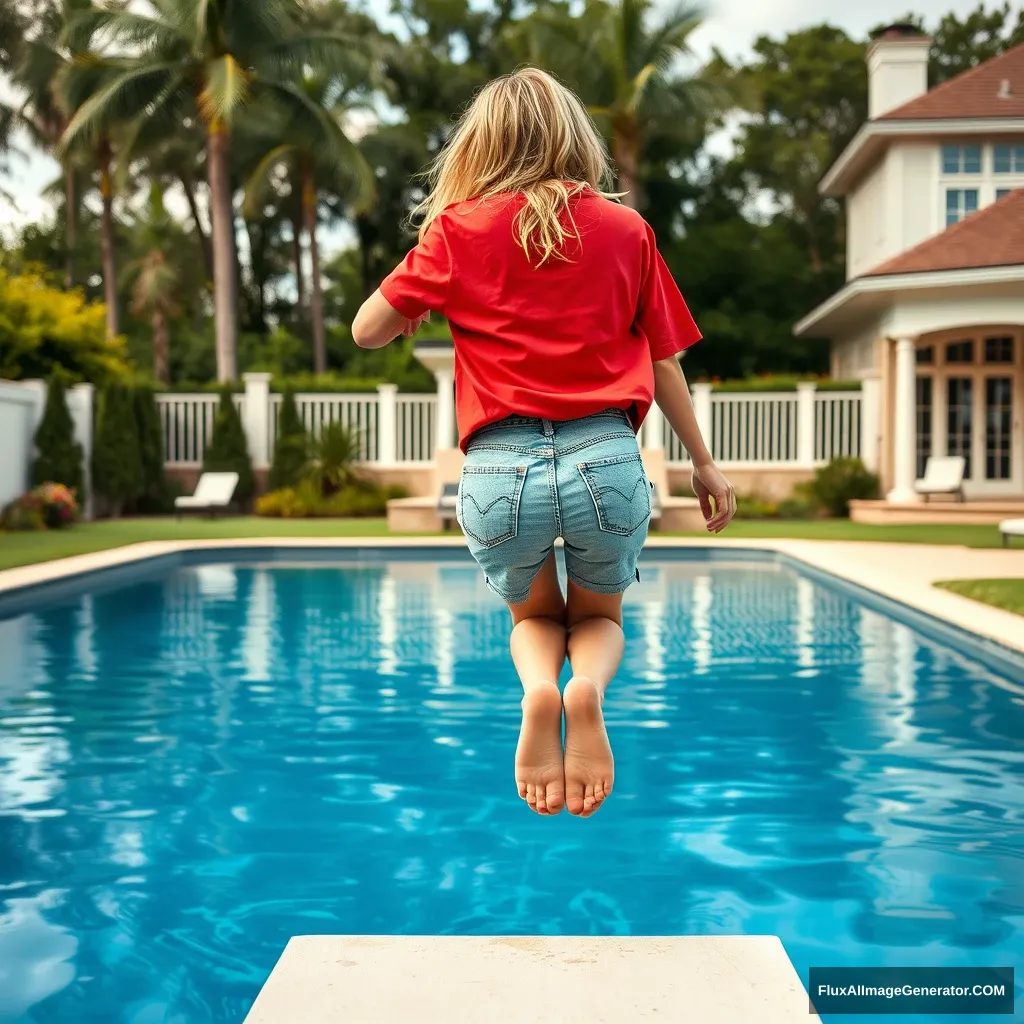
pixel 732 26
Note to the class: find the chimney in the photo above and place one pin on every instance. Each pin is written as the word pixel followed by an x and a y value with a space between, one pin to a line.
pixel 897 68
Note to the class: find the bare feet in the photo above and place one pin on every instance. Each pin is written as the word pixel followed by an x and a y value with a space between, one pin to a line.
pixel 589 766
pixel 539 773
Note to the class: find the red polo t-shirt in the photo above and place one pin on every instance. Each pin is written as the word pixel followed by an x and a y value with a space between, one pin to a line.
pixel 560 341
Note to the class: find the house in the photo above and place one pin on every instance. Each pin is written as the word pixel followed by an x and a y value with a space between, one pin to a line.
pixel 931 319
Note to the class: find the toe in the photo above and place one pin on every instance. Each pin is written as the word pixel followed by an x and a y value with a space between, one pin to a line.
pixel 542 804
pixel 521 785
pixel 588 800
pixel 555 798
pixel 574 798
pixel 531 795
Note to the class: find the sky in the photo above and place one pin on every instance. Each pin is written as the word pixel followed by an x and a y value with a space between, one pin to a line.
pixel 731 25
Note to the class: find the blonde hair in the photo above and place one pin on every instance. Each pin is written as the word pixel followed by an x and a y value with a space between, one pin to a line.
pixel 524 133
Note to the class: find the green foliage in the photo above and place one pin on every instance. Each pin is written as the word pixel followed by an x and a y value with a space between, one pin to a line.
pixel 44 329
pixel 332 460
pixel 117 473
pixel 59 457
pixel 23 514
pixel 797 506
pixel 306 501
pixel 151 449
pixel 291 451
pixel 772 382
pixel 840 482
pixel 228 451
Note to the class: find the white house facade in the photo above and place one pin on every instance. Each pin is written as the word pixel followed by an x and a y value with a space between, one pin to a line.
pixel 932 315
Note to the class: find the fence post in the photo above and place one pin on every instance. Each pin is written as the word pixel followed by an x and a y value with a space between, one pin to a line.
pixel 445 437
pixel 80 405
pixel 387 424
pixel 805 392
pixel 869 432
pixel 701 394
pixel 256 418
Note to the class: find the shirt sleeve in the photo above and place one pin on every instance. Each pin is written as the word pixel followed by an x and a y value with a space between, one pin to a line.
pixel 420 282
pixel 662 313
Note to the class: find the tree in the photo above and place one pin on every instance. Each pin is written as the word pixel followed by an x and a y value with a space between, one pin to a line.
pixel 291 450
pixel 314 155
pixel 59 456
pixel 151 444
pixel 961 44
pixel 117 472
pixel 208 60
pixel 228 451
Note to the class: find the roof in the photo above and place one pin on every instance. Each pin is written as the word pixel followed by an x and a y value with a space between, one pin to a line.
pixel 981 240
pixel 980 92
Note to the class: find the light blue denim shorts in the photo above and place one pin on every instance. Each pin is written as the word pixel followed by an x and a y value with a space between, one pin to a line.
pixel 527 482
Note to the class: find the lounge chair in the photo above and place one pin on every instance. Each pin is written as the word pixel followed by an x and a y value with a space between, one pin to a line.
pixel 943 475
pixel 1011 528
pixel 213 493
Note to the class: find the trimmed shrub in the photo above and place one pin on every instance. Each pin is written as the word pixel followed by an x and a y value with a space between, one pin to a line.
pixel 227 451
pixel 151 446
pixel 291 450
pixel 116 460
pixel 840 482
pixel 59 457
pixel 360 499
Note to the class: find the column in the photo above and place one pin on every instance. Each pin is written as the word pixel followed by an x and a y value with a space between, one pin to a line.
pixel 654 429
pixel 387 424
pixel 256 418
pixel 80 405
pixel 869 414
pixel 805 426
pixel 445 437
pixel 904 422
pixel 702 408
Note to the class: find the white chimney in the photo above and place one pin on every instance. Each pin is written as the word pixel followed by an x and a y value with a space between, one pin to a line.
pixel 897 68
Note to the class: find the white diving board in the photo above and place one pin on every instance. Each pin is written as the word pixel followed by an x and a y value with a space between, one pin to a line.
pixel 349 979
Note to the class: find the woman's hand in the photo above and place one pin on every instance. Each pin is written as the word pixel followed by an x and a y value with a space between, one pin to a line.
pixel 410 327
pixel 708 483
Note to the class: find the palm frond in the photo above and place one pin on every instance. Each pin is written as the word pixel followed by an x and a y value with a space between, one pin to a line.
pixel 327 54
pixel 671 39
pixel 258 184
pixel 100 27
pixel 226 89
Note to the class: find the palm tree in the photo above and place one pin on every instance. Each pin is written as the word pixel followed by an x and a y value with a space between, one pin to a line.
pixel 622 59
pixel 314 157
pixel 209 59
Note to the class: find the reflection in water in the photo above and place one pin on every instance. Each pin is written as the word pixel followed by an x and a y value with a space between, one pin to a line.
pixel 196 766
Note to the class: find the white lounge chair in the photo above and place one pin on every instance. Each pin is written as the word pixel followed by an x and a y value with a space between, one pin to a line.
pixel 1011 528
pixel 213 493
pixel 943 475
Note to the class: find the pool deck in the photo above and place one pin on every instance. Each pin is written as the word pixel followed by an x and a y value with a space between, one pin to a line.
pixel 902 572
pixel 324 979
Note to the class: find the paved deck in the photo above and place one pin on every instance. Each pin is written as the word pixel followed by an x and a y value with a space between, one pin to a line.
pixel 528 980
pixel 904 572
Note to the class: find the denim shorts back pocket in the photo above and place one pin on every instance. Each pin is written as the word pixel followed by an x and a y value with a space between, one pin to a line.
pixel 621 492
pixel 488 503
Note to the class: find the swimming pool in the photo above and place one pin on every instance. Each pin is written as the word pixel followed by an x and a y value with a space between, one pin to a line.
pixel 199 760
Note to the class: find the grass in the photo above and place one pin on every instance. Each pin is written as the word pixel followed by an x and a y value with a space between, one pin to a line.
pixel 1005 594
pixel 28 548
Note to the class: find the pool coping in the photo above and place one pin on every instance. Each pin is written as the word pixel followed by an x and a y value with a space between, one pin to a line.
pixel 896 578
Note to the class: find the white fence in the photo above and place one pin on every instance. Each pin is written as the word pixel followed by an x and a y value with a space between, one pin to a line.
pixel 804 428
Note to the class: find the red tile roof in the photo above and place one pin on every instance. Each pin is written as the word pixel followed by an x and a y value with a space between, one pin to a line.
pixel 975 93
pixel 992 237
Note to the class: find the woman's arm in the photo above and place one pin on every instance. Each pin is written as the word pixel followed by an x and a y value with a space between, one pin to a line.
pixel 673 398
pixel 378 323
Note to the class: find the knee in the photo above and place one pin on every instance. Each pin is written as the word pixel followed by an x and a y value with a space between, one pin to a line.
pixel 574 621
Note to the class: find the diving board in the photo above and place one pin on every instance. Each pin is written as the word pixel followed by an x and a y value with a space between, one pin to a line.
pixel 329 979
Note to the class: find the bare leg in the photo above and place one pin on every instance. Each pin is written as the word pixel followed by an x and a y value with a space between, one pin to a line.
pixel 538 651
pixel 596 645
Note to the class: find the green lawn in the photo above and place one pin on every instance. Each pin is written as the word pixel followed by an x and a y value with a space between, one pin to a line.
pixel 26 548
pixel 1006 594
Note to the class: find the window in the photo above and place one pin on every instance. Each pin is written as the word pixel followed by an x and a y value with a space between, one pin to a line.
pixel 959 414
pixel 924 423
pixel 1000 192
pixel 961 159
pixel 999 350
pixel 998 427
pixel 926 356
pixel 960 352
pixel 959 203
pixel 1007 159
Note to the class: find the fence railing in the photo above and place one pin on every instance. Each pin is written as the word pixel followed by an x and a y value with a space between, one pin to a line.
pixel 786 429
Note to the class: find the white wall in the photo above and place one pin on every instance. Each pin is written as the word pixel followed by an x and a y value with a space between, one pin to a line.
pixel 18 411
pixel 868 221
pixel 854 355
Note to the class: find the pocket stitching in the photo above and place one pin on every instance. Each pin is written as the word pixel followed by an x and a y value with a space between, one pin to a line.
pixel 585 468
pixel 519 472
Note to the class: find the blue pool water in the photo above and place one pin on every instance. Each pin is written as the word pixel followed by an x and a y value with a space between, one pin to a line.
pixel 200 761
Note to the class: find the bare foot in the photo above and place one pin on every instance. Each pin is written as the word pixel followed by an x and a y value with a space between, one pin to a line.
pixel 589 766
pixel 539 773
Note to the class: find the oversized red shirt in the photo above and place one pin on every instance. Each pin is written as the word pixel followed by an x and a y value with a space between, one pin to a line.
pixel 567 339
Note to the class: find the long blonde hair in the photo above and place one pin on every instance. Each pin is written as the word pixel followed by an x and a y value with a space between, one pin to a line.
pixel 524 133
